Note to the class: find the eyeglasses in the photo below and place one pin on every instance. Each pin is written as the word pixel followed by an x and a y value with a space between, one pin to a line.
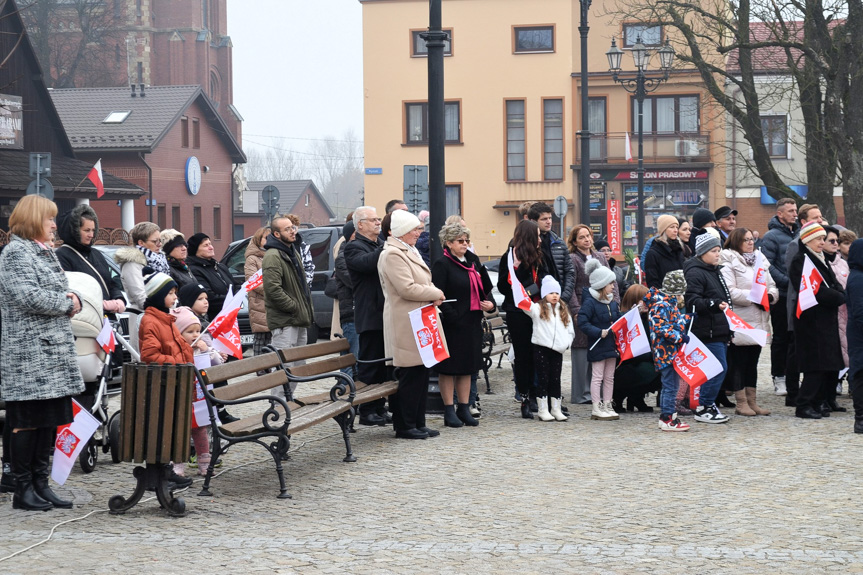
pixel 157 241
pixel 375 220
pixel 749 240
pixel 461 241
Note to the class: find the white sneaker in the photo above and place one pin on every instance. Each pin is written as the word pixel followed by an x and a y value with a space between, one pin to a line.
pixel 609 409
pixel 779 385
pixel 709 415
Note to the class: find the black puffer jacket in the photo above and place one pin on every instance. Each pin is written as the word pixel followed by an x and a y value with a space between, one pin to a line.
pixel 69 230
pixel 563 270
pixel 361 259
pixel 216 277
pixel 773 245
pixel 346 290
pixel 705 290
pixel 662 258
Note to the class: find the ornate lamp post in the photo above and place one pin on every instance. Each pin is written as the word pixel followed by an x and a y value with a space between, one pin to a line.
pixel 641 84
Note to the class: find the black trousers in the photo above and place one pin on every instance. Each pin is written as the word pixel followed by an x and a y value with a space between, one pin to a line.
pixel 792 371
pixel 409 402
pixel 520 331
pixel 372 347
pixel 855 386
pixel 742 366
pixel 779 345
pixel 812 388
pixel 548 364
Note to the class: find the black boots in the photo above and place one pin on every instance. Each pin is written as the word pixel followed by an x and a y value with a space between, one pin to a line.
pixel 25 443
pixel 463 413
pixel 7 481
pixel 525 409
pixel 450 419
pixel 42 468
pixel 722 399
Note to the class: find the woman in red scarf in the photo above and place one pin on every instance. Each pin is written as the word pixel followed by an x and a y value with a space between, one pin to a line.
pixel 465 280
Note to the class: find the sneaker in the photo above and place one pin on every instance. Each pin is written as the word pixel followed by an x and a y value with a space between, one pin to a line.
pixel 475 412
pixel 671 423
pixel 517 397
pixel 709 415
pixel 779 385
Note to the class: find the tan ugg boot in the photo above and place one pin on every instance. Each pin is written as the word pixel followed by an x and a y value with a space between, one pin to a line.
pixel 750 399
pixel 742 405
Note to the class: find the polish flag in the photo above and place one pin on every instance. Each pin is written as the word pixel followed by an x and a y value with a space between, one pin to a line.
pixel 227 317
pixel 201 416
pixel 810 283
pixel 72 438
pixel 255 280
pixel 95 176
pixel 696 365
pixel 519 294
pixel 628 148
pixel 106 337
pixel 229 342
pixel 428 335
pixel 630 336
pixel 736 324
pixel 758 293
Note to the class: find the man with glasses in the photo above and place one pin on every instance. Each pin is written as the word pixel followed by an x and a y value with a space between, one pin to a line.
pixel 361 258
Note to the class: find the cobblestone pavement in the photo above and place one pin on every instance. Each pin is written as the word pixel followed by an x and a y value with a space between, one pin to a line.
pixel 757 495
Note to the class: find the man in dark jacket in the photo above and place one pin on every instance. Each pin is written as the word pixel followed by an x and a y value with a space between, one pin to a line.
pixel 361 259
pixel 774 244
pixel 726 221
pixel 554 249
pixel 854 301
pixel 345 296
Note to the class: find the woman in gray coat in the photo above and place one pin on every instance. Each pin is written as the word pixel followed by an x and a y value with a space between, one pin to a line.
pixel 38 374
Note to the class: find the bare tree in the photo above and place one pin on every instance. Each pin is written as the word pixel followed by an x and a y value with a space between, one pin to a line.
pixel 276 162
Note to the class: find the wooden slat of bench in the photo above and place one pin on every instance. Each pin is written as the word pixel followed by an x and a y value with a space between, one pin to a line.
pixel 323 366
pixel 495 322
pixel 302 417
pixel 499 349
pixel 251 386
pixel 243 367
pixel 371 392
pixel 291 354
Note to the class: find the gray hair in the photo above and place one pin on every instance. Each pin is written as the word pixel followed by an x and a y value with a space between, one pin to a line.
pixel 452 232
pixel 142 231
pixel 363 212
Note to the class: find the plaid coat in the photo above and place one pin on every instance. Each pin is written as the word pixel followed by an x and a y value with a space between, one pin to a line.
pixel 38 358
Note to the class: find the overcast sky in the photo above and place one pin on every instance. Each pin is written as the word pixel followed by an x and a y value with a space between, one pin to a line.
pixel 297 69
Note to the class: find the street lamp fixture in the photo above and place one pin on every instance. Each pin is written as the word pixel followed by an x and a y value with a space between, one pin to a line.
pixel 640 84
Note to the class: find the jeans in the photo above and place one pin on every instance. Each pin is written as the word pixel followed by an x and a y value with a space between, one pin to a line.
pixel 349 331
pixel 668 393
pixel 711 387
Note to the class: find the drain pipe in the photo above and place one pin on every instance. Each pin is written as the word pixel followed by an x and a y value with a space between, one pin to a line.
pixel 149 185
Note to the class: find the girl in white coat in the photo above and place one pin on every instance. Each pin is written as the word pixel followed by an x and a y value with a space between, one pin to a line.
pixel 553 333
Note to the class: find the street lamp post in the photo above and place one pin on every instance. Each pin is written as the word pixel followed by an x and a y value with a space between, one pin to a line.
pixel 584 201
pixel 640 85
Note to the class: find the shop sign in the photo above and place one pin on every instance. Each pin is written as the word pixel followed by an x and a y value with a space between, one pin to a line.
pixel 653 197
pixel 664 175
pixel 597 195
pixel 614 223
pixel 11 122
pixel 685 198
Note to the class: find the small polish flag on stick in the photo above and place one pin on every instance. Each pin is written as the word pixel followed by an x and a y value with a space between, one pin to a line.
pixel 519 294
pixel 72 438
pixel 758 293
pixel 95 176
pixel 106 337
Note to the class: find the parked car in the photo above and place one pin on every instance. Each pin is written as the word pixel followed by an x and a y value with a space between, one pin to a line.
pixel 321 241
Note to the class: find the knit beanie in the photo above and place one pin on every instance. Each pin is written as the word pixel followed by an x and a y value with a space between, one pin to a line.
pixel 674 283
pixel 402 222
pixel 663 222
pixel 600 275
pixel 704 243
pixel 549 285
pixel 811 231
pixel 195 242
pixel 157 285
pixel 171 240
pixel 702 217
pixel 184 318
pixel 599 244
pixel 188 294
pixel 348 230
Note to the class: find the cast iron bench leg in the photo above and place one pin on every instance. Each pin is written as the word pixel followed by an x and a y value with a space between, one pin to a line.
pixel 346 421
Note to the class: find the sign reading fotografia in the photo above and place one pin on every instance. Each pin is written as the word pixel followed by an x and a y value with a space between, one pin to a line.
pixel 11 133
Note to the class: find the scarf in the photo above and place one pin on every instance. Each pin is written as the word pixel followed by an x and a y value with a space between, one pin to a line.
pixel 819 255
pixel 180 264
pixel 410 247
pixel 155 260
pixel 475 281
pixel 749 258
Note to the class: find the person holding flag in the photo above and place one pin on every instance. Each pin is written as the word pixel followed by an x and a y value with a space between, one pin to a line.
pixel 816 323
pixel 753 290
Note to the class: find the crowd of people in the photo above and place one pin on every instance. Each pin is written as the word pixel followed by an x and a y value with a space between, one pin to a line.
pixel 562 295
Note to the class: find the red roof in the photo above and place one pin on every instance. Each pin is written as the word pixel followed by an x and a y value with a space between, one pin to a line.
pixel 769 59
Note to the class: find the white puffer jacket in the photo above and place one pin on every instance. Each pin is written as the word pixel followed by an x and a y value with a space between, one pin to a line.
pixel 551 333
pixel 738 277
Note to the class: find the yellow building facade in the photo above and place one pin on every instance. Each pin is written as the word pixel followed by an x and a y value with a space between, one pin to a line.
pixel 513 111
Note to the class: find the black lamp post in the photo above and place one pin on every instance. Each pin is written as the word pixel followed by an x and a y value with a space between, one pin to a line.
pixel 584 201
pixel 435 41
pixel 640 85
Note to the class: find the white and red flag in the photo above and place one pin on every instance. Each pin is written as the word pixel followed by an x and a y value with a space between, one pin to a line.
pixel 428 335
pixel 71 439
pixel 630 336
pixel 810 283
pixel 95 176
pixel 628 150
pixel 758 293
pixel 255 280
pixel 106 337
pixel 201 416
pixel 696 365
pixel 519 294
pixel 739 326
pixel 229 342
pixel 227 317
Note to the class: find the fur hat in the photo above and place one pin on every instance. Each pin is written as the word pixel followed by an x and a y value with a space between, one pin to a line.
pixel 157 285
pixel 811 231
pixel 674 283
pixel 188 294
pixel 704 243
pixel 663 222
pixel 702 217
pixel 184 318
pixel 549 285
pixel 402 222
pixel 171 240
pixel 600 275
pixel 195 242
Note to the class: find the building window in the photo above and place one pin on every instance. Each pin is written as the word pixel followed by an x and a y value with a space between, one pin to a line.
pixel 308 199
pixel 418 44
pixel 667 114
pixel 184 132
pixel 196 133
pixel 552 139
pixel 650 34
pixel 775 130
pixel 417 116
pixel 175 217
pixel 533 39
pixel 515 138
pixel 453 199
pixel 196 220
pixel 161 216
pixel 596 123
pixel 217 222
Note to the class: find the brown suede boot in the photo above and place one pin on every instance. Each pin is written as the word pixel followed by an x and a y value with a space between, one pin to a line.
pixel 742 405
pixel 750 398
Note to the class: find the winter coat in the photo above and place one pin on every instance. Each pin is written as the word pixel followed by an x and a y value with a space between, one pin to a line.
pixel 180 272
pixel 854 301
pixel 817 329
pixel 287 298
pixel 840 269
pixel 215 277
pixel 407 285
pixel 335 323
pixel 738 278
pixel 551 333
pixel 662 258
pixel 530 279
pixel 38 358
pixel 774 245
pixel 582 281
pixel 705 290
pixel 345 292
pixel 424 248
pixel 132 262
pixel 667 327
pixel 159 341
pixel 595 316
pixel 257 308
pixel 563 270
pixel 361 259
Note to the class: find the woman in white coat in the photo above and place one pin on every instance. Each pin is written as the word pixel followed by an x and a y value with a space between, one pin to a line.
pixel 741 265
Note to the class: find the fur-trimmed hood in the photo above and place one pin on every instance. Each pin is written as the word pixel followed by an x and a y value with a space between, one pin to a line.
pixel 130 255
pixel 69 226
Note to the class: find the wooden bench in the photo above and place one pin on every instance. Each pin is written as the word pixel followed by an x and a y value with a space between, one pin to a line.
pixel 495 342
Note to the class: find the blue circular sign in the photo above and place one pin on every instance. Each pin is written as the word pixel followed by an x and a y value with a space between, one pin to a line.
pixel 193 175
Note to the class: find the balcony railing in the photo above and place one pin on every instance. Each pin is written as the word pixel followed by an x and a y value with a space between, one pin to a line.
pixel 610 148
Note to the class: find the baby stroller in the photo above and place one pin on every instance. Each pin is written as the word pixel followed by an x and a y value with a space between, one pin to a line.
pixel 95 366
